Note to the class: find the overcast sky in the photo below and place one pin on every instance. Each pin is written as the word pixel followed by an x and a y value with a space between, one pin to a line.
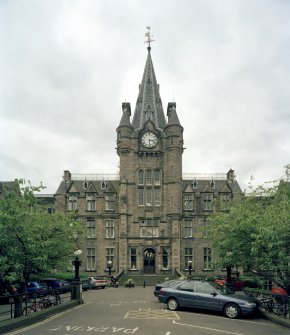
pixel 67 66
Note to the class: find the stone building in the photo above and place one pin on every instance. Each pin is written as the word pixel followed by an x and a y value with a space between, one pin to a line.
pixel 147 219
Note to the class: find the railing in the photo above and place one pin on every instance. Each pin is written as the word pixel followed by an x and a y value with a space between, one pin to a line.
pixel 101 177
pixel 14 306
pixel 203 176
pixel 271 302
pixel 185 176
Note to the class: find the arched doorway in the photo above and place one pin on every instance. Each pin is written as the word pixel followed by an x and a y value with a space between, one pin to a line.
pixel 149 261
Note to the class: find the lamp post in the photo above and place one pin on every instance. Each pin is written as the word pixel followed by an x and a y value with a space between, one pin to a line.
pixel 76 263
pixel 110 263
pixel 76 293
pixel 189 268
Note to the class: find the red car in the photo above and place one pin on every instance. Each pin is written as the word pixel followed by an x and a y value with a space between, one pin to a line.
pixel 235 283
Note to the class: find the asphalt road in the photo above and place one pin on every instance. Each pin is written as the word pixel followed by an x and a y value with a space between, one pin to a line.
pixel 136 311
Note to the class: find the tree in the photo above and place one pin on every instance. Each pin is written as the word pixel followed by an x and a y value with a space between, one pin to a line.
pixel 255 234
pixel 33 241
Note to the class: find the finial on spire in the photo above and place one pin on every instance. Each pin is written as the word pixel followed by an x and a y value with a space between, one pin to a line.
pixel 149 38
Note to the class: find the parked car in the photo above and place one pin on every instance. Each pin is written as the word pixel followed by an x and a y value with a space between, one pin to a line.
pixel 207 296
pixel 86 285
pixel 56 284
pixel 98 282
pixel 168 283
pixel 37 288
pixel 235 283
pixel 278 290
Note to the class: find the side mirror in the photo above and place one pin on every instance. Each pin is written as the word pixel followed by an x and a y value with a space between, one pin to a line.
pixel 214 294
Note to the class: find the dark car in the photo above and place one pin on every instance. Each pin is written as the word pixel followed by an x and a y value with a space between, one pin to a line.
pixel 36 288
pixel 207 296
pixel 168 283
pixel 56 284
pixel 86 285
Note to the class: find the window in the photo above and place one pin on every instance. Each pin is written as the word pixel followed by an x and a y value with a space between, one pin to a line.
pixel 149 227
pixel 207 201
pixel 149 197
pixel 157 197
pixel 204 288
pixel 188 256
pixel 72 203
pixel 148 177
pixel 110 255
pixel 165 259
pixel 149 190
pixel 91 259
pixel 187 286
pixel 91 227
pixel 133 258
pixel 157 176
pixel 91 202
pixel 103 185
pixel 225 200
pixel 187 229
pixel 195 184
pixel 141 197
pixel 141 177
pixel 207 265
pixel 188 202
pixel 110 229
pixel 110 202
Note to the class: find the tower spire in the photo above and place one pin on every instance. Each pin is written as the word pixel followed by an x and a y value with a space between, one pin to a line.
pixel 149 38
pixel 149 104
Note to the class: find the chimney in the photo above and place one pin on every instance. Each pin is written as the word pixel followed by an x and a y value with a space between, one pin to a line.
pixel 66 176
pixel 231 175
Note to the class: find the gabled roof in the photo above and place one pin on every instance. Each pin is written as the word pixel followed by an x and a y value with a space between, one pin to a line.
pixel 93 186
pixel 206 186
pixel 149 104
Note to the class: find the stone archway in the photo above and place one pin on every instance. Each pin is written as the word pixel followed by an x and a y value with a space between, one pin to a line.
pixel 149 260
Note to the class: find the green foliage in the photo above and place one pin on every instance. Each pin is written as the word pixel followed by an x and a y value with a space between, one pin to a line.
pixel 33 242
pixel 255 233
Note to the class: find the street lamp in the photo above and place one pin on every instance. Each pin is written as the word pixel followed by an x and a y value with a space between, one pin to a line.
pixel 76 263
pixel 110 263
pixel 189 267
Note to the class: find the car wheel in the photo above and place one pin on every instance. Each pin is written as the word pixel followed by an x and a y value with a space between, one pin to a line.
pixel 232 311
pixel 172 304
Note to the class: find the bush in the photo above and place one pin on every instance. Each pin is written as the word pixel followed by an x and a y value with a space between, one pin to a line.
pixel 129 283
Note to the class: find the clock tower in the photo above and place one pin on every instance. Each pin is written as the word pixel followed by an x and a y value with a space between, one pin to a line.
pixel 150 149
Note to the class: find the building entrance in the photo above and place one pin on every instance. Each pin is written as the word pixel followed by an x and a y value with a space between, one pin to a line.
pixel 149 261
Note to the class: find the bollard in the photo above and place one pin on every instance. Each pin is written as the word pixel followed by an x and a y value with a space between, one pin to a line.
pixel 144 284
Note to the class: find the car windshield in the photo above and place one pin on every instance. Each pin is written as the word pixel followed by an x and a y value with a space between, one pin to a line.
pixel 221 289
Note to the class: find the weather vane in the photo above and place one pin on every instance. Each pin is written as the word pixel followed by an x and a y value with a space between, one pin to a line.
pixel 149 38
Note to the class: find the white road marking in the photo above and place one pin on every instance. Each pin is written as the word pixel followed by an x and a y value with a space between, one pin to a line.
pixel 212 329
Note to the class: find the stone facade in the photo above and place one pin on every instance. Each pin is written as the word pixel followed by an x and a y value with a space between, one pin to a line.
pixel 149 219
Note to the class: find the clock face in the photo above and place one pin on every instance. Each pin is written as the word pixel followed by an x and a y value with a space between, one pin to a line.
pixel 149 139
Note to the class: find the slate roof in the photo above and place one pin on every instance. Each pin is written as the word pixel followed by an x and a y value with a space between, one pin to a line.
pixel 211 185
pixel 86 186
pixel 149 104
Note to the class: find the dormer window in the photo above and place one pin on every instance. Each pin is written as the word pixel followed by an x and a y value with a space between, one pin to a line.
pixel 195 184
pixel 85 184
pixel 103 185
pixel 212 184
